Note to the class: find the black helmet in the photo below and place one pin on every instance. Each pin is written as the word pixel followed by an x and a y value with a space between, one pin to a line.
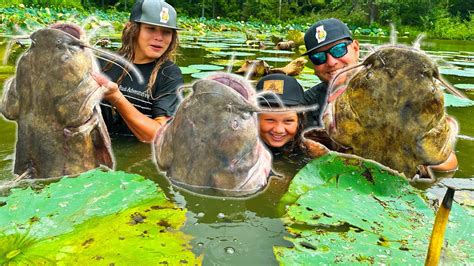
pixel 154 12
pixel 281 89
pixel 324 32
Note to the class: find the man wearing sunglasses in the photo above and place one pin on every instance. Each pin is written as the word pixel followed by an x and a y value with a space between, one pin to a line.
pixel 330 47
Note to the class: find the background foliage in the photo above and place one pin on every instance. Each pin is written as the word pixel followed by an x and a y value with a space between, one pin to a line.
pixel 447 19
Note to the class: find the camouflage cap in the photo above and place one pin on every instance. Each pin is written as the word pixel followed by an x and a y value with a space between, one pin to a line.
pixel 154 12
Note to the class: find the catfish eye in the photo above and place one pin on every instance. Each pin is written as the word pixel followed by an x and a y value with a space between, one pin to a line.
pixel 245 115
pixel 65 57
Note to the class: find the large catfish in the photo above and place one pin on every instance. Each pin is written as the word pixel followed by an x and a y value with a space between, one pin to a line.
pixel 212 145
pixel 392 111
pixel 54 101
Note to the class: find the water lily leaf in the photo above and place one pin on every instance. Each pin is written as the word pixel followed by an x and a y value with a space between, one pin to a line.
pixel 296 36
pixel 461 63
pixel 452 100
pixel 188 70
pixel 351 210
pixel 204 74
pixel 206 67
pixel 275 59
pixel 98 217
pixel 457 72
pixel 214 45
pixel 233 53
pixel 227 62
pixel 277 52
pixel 310 77
pixel 306 83
pixel 7 69
pixel 464 86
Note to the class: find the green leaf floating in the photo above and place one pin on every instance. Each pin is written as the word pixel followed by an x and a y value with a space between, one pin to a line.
pixel 455 101
pixel 188 70
pixel 349 210
pixel 206 67
pixel 98 217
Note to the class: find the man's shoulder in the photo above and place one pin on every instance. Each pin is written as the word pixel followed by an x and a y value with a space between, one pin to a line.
pixel 318 87
pixel 320 90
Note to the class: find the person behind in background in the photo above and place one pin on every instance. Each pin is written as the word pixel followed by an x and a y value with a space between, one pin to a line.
pixel 149 40
pixel 331 48
pixel 282 131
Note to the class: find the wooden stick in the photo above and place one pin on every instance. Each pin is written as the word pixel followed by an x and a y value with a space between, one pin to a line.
pixel 439 228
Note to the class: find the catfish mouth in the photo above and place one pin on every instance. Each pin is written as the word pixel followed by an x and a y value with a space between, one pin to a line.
pixel 237 83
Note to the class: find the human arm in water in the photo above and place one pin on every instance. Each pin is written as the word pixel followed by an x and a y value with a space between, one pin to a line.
pixel 143 127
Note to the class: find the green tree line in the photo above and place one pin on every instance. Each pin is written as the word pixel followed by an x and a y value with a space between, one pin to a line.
pixel 442 18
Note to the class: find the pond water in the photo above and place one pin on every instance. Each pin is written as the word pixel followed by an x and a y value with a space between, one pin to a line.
pixel 236 232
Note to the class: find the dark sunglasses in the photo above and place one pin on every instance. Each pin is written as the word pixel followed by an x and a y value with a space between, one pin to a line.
pixel 337 51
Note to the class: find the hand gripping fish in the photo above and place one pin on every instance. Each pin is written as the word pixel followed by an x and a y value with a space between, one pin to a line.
pixel 54 101
pixel 212 146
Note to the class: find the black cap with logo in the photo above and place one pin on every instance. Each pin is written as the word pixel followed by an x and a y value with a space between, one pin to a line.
pixel 279 88
pixel 154 12
pixel 324 32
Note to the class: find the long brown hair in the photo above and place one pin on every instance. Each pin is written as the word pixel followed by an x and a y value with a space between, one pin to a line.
pixel 129 43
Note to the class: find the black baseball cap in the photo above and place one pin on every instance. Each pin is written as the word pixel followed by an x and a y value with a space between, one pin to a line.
pixel 324 32
pixel 154 12
pixel 279 88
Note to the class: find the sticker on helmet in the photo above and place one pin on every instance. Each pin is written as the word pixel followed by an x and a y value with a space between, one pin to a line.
pixel 164 15
pixel 320 34
pixel 275 86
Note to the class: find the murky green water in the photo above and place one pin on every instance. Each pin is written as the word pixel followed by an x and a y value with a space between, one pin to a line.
pixel 236 232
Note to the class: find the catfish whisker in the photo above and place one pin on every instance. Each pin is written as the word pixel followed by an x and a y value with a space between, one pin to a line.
pixel 451 88
pixel 126 63
pixel 115 63
pixel 417 42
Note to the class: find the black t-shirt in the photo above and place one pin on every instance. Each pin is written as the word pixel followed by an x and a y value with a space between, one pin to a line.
pixel 316 95
pixel 163 102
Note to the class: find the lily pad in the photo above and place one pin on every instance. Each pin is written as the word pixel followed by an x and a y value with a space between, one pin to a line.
pixel 214 45
pixel 227 62
pixel 204 74
pixel 206 67
pixel 461 63
pixel 237 54
pixel 277 52
pixel 464 86
pixel 72 221
pixel 275 59
pixel 310 77
pixel 457 72
pixel 455 101
pixel 306 83
pixel 7 69
pixel 188 70
pixel 350 210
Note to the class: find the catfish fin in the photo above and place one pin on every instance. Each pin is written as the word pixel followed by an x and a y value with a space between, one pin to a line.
pixel 432 149
pixel 10 103
pixel 102 143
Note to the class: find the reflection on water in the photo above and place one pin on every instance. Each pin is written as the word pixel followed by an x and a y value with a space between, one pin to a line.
pixel 243 231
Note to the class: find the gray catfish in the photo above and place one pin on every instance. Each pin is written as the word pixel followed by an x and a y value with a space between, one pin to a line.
pixel 212 145
pixel 54 101
pixel 392 111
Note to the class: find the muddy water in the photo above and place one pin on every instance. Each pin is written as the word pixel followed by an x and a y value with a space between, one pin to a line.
pixel 237 232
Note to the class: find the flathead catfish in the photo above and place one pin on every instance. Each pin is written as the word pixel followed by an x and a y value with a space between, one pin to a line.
pixel 54 101
pixel 212 146
pixel 392 111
